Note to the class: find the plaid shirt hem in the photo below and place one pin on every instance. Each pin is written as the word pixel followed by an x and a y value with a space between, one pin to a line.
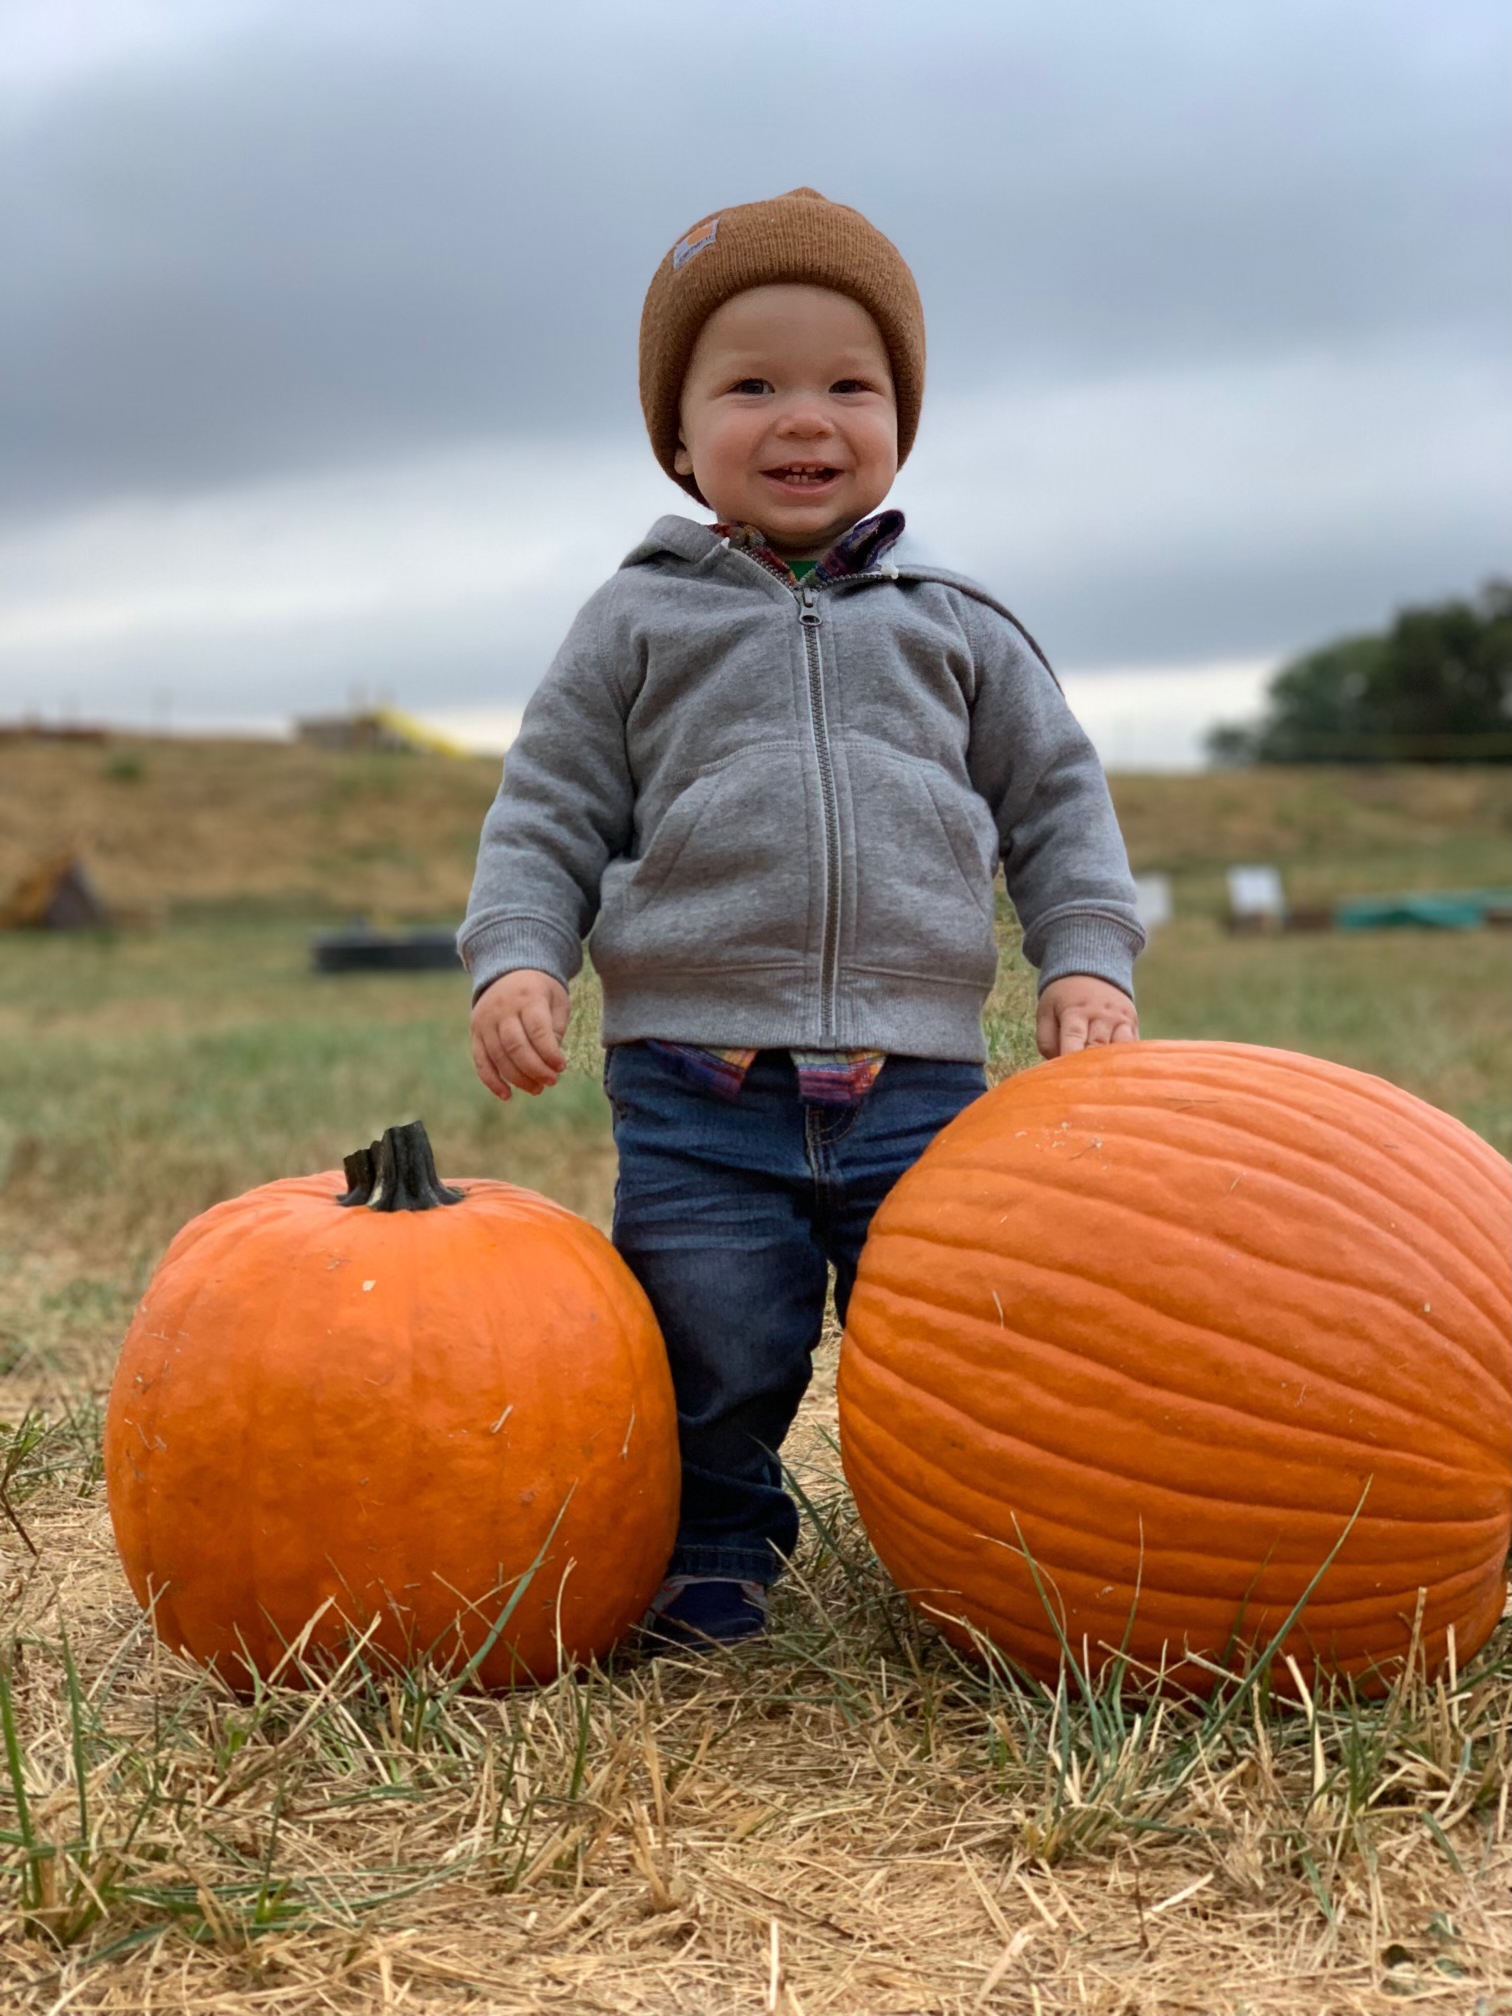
pixel 825 1077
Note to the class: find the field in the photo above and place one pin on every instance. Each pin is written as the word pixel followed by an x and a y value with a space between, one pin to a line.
pixel 850 1819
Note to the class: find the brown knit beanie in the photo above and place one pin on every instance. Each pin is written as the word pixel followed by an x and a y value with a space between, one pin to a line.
pixel 798 238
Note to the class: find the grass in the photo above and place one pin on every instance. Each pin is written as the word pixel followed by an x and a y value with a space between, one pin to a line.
pixel 1427 1009
pixel 852 1818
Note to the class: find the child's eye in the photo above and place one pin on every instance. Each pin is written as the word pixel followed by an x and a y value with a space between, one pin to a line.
pixel 850 385
pixel 751 385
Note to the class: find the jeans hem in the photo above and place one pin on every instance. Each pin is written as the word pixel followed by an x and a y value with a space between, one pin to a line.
pixel 729 1564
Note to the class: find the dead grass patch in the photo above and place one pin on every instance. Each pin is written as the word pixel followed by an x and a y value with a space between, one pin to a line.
pixel 849 1819
pixel 166 824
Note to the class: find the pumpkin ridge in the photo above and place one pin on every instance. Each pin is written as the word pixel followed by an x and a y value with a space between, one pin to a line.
pixel 520 1206
pixel 899 1224
pixel 186 1297
pixel 1492 1274
pixel 1005 1591
pixel 1211 1064
pixel 930 1402
pixel 426 1259
pixel 1260 1350
pixel 1244 1118
pixel 1254 1345
pixel 1206 1625
pixel 260 1454
pixel 1209 1615
pixel 1479 1549
pixel 1208 1622
pixel 1310 1646
pixel 1165 1597
pixel 270 1643
pixel 1109 1089
pixel 491 1506
pixel 138 1418
pixel 1373 1537
pixel 1403 1108
pixel 1092 1554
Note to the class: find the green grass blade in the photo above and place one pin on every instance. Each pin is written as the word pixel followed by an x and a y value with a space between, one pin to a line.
pixel 31 1888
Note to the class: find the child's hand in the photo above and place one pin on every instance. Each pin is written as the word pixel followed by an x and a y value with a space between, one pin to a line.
pixel 1077 1011
pixel 517 1030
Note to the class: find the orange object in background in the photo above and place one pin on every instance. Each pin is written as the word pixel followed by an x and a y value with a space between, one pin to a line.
pixel 55 895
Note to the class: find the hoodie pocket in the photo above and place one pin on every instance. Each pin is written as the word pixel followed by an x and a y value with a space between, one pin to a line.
pixel 926 854
pixel 724 880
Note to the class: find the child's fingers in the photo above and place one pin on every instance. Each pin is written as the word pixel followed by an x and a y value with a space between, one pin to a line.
pixel 486 1069
pixel 1080 1015
pixel 1082 1029
pixel 511 1060
pixel 1114 1023
pixel 499 1056
pixel 1101 1025
pixel 1053 1024
pixel 1074 1031
pixel 514 1034
pixel 522 1062
pixel 538 1023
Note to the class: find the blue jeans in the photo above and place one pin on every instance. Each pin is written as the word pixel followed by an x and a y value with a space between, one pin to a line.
pixel 728 1212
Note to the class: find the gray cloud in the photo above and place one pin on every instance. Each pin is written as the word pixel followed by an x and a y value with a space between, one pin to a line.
pixel 295 246
pixel 317 349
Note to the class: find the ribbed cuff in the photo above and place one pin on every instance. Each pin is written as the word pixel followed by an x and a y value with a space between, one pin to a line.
pixel 489 951
pixel 1087 942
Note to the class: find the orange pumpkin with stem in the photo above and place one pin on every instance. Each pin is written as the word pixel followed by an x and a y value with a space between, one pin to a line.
pixel 1161 1340
pixel 373 1404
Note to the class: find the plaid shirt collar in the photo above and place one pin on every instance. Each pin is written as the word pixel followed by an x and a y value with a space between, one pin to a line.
pixel 860 551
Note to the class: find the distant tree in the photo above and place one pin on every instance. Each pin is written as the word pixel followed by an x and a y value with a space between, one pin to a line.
pixel 1435 688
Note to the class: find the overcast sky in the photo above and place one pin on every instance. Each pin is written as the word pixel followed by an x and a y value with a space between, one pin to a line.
pixel 318 322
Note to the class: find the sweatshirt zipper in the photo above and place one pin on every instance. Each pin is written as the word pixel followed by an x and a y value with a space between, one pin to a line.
pixel 829 958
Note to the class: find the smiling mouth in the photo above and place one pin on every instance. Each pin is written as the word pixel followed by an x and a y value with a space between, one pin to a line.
pixel 802 474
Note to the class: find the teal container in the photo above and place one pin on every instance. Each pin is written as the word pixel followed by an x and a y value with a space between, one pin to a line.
pixel 1444 910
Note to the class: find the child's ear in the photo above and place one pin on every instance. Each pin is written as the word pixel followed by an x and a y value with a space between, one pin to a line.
pixel 682 461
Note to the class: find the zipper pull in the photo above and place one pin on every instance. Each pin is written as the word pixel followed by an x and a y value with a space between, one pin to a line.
pixel 808 613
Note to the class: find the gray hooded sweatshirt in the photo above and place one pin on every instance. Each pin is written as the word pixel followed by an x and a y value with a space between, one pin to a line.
pixel 779 809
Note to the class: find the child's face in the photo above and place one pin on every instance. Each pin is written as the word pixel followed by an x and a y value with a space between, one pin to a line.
pixel 788 416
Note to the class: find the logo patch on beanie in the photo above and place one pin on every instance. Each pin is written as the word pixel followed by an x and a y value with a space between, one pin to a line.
pixel 699 239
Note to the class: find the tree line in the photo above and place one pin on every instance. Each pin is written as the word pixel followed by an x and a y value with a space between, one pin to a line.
pixel 1434 688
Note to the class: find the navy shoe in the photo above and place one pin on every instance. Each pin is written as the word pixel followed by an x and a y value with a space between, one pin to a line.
pixel 695 1613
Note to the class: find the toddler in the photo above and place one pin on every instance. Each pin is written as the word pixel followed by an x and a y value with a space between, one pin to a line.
pixel 773 770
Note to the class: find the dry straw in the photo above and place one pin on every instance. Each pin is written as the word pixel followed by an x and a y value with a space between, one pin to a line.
pixel 852 1819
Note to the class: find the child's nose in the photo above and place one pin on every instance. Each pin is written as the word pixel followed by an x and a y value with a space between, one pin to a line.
pixel 806 418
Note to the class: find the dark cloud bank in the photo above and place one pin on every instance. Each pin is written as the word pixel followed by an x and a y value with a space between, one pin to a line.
pixel 302 246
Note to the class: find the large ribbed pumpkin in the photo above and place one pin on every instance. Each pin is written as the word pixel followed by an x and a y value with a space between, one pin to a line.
pixel 380 1402
pixel 1160 1318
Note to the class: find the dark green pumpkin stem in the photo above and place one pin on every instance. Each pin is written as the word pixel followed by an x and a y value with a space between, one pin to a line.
pixel 397 1173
